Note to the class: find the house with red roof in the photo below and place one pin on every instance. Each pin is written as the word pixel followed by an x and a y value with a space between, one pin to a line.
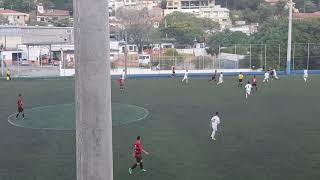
pixel 302 16
pixel 14 17
pixel 46 15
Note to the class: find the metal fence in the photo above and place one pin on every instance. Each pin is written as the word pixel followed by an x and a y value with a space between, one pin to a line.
pixel 238 56
pixel 246 57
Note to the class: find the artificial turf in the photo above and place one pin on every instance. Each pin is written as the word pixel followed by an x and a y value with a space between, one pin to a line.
pixel 61 116
pixel 274 135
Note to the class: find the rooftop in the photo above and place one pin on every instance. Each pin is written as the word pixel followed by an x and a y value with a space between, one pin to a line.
pixel 55 12
pixel 10 11
pixel 306 15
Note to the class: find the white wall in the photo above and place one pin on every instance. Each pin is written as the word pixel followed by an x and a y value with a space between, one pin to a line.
pixel 10 41
pixel 34 52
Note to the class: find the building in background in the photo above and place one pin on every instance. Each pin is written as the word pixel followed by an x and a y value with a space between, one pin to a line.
pixel 47 15
pixel 201 9
pixel 14 17
pixel 31 42
pixel 303 16
pixel 173 4
pixel 135 4
pixel 242 26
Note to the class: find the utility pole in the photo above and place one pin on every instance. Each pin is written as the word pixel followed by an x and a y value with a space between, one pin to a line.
pixel 94 155
pixel 2 60
pixel 126 54
pixel 290 5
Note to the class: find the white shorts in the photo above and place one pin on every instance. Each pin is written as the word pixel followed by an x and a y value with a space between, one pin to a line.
pixel 214 127
pixel 248 92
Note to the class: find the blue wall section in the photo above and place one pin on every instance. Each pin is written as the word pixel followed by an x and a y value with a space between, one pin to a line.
pixel 297 72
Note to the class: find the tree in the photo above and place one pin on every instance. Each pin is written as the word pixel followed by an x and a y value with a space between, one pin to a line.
pixel 3 20
pixel 29 5
pixel 19 5
pixel 225 39
pixel 185 28
pixel 62 4
pixel 243 4
pixel 66 22
pixel 307 5
pixel 137 27
pixel 264 12
pixel 171 52
pixel 139 35
pixel 275 32
pixel 310 6
pixel 47 3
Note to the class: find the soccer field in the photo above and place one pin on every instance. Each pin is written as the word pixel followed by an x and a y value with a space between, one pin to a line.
pixel 275 134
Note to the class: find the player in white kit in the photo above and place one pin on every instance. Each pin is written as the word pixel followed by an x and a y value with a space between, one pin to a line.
pixel 215 121
pixel 275 74
pixel 305 75
pixel 220 79
pixel 122 79
pixel 185 77
pixel 248 88
pixel 266 77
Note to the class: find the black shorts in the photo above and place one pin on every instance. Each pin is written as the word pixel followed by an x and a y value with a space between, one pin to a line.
pixel 20 109
pixel 240 80
pixel 213 77
pixel 138 159
pixel 254 84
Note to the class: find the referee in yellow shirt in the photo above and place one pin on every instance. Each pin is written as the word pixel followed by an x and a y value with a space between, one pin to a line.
pixel 8 75
pixel 241 77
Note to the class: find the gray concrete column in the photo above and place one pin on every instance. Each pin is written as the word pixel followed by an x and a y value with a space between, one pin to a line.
pixel 93 92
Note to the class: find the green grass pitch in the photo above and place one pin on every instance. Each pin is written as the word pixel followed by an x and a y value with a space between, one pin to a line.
pixel 274 135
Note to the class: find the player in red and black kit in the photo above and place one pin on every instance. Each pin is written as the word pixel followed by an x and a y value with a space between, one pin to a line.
pixel 173 71
pixel 20 108
pixel 214 76
pixel 138 149
pixel 254 83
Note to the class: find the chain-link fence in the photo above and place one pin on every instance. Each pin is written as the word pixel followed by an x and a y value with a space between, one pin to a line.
pixel 234 57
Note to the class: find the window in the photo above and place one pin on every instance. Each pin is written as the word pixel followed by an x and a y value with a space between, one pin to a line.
pixel 130 48
pixel 42 19
pixel 18 17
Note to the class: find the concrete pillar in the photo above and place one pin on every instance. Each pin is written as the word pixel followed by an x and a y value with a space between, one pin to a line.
pixel 93 92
